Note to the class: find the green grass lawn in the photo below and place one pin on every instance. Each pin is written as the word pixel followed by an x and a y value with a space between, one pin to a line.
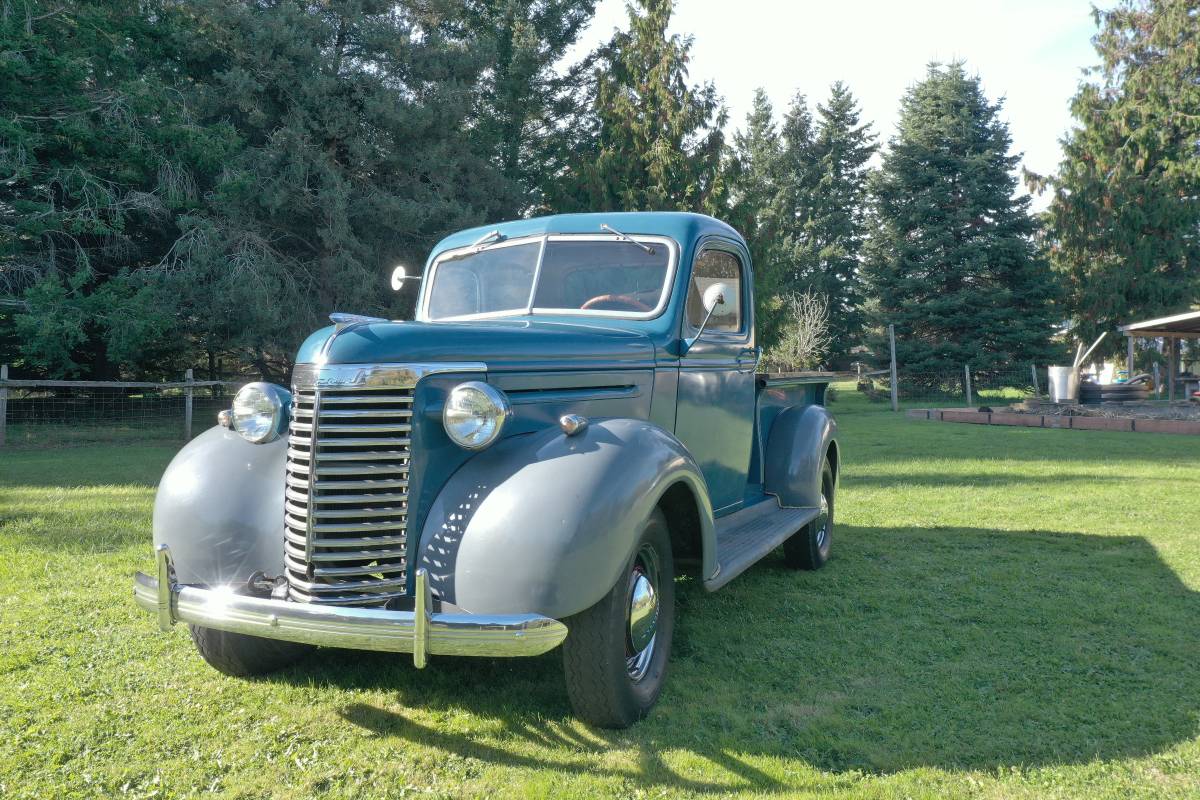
pixel 1008 613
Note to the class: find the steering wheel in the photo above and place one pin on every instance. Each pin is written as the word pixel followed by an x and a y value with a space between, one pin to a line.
pixel 632 302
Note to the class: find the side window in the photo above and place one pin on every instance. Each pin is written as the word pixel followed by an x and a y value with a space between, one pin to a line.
pixel 716 266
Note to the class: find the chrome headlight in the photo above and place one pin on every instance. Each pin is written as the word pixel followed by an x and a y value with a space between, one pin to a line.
pixel 474 414
pixel 260 412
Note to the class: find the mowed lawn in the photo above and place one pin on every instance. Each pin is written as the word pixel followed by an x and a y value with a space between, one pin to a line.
pixel 1008 613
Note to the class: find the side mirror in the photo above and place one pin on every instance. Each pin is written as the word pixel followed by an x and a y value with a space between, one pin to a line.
pixel 713 298
pixel 400 275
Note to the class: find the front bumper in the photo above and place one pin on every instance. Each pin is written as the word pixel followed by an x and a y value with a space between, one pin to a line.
pixel 420 631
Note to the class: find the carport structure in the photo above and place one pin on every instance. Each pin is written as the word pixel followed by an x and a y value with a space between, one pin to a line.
pixel 1170 329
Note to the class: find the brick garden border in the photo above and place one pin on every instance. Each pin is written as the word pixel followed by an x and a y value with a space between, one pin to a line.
pixel 970 415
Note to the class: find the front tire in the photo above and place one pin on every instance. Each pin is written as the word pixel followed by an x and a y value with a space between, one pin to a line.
pixel 808 548
pixel 245 656
pixel 616 653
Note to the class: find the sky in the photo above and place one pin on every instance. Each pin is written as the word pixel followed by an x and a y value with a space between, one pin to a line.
pixel 1029 52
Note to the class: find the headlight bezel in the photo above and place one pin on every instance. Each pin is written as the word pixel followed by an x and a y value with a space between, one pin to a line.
pixel 273 412
pixel 455 411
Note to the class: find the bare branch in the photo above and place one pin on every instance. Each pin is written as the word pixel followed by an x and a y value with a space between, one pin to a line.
pixel 805 339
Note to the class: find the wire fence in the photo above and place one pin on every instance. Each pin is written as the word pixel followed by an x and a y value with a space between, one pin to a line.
pixel 957 388
pixel 63 413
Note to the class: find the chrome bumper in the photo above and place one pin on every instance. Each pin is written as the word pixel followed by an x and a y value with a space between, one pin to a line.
pixel 420 632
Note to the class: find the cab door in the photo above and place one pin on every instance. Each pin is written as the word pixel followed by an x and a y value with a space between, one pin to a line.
pixel 714 416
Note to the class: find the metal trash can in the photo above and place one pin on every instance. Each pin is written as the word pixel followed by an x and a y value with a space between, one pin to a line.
pixel 1064 384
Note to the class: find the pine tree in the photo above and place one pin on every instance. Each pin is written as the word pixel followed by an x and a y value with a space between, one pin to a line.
pixel 653 141
pixel 798 194
pixel 101 160
pixel 791 267
pixel 752 174
pixel 236 170
pixel 525 98
pixel 953 260
pixel 1126 204
pixel 359 154
pixel 842 149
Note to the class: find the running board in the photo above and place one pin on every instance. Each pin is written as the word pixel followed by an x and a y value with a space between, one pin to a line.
pixel 746 536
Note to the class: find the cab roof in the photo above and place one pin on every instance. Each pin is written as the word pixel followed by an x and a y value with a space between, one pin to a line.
pixel 682 226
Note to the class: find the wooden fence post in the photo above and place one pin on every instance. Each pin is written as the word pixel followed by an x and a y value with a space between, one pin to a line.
pixel 967 383
pixel 3 402
pixel 895 380
pixel 1037 390
pixel 187 407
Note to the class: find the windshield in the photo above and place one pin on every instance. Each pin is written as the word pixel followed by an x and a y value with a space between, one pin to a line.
pixel 576 275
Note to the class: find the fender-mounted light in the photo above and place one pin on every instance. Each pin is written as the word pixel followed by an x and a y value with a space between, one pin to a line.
pixel 260 412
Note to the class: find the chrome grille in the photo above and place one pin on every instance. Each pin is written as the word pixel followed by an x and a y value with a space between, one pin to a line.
pixel 346 494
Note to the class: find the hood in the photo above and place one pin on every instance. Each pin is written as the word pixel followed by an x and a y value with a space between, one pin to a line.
pixel 503 345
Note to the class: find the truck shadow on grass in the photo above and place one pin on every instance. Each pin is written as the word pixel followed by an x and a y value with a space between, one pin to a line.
pixel 956 648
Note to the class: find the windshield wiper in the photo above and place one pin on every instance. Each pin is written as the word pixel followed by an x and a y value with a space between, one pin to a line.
pixel 492 237
pixel 606 227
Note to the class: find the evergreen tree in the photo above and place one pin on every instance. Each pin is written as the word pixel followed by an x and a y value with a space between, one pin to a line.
pixel 525 99
pixel 790 267
pixel 798 194
pixel 1126 204
pixel 953 260
pixel 363 163
pixel 752 174
pixel 100 161
pixel 841 149
pixel 653 141
pixel 752 167
pixel 228 174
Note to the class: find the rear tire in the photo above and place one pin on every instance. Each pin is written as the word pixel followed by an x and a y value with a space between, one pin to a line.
pixel 244 656
pixel 808 548
pixel 613 676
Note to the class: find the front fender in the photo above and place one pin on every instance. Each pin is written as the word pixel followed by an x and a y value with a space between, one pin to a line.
pixel 219 508
pixel 799 440
pixel 544 523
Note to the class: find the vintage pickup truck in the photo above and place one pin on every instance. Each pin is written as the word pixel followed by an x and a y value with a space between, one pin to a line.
pixel 574 419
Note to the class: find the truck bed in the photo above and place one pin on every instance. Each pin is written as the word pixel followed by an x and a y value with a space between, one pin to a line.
pixel 774 392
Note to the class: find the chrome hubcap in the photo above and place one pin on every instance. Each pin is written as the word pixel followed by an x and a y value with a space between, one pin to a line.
pixel 642 615
pixel 823 523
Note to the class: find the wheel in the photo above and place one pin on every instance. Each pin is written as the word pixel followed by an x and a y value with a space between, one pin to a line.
pixel 616 652
pixel 243 656
pixel 808 548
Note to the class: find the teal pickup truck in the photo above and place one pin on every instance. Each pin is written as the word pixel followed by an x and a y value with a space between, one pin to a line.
pixel 574 419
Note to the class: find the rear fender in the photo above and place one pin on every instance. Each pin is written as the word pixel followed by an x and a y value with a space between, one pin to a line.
pixel 800 438
pixel 544 523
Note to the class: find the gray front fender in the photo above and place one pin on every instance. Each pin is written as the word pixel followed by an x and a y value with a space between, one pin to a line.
pixel 800 438
pixel 544 523
pixel 219 508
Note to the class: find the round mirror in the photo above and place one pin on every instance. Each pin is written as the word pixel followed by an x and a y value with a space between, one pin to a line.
pixel 399 275
pixel 715 296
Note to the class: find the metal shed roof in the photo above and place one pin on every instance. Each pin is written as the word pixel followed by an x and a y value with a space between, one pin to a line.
pixel 1180 326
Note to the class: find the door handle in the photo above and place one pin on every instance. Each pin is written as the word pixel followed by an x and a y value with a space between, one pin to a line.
pixel 748 358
